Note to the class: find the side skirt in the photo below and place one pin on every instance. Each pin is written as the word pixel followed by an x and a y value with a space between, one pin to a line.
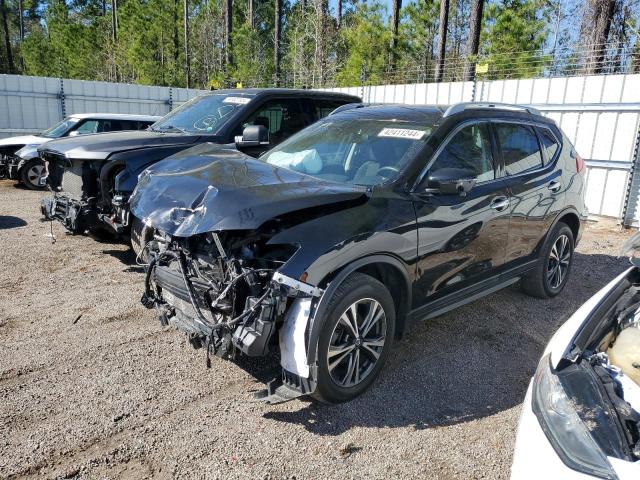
pixel 470 294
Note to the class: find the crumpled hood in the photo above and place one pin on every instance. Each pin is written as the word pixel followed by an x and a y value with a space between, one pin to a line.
pixel 100 145
pixel 22 140
pixel 216 187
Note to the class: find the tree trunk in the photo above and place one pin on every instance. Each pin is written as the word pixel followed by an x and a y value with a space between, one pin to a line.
pixel 276 41
pixel 250 7
pixel 395 22
pixel 114 19
pixel 428 44
pixel 442 38
pixel 339 13
pixel 473 44
pixel 7 42
pixel 21 10
pixel 176 41
pixel 599 23
pixel 187 60
pixel 228 30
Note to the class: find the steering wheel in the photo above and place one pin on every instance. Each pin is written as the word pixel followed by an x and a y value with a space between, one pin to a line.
pixel 205 123
pixel 391 169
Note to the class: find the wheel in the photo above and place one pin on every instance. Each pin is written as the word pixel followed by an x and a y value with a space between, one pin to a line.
pixel 140 236
pixel 31 173
pixel 552 271
pixel 356 338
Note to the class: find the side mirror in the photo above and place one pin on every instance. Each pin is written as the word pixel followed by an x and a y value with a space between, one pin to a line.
pixel 253 136
pixel 451 181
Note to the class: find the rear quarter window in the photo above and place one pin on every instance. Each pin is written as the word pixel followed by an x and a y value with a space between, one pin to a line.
pixel 549 144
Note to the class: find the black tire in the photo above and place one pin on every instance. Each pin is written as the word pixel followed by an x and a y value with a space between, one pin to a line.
pixel 140 236
pixel 541 283
pixel 357 287
pixel 31 172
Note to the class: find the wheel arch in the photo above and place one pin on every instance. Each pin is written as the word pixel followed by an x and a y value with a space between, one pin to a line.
pixel 385 268
pixel 570 217
pixel 108 174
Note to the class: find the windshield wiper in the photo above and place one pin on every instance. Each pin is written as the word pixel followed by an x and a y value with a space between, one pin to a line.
pixel 169 128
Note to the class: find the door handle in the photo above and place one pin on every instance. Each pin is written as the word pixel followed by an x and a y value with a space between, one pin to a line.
pixel 500 203
pixel 555 186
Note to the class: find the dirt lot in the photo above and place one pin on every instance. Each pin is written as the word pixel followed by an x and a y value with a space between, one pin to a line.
pixel 92 387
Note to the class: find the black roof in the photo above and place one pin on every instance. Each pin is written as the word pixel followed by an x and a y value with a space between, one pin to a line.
pixel 419 113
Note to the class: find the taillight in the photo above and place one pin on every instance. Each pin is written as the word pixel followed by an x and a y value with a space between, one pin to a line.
pixel 579 163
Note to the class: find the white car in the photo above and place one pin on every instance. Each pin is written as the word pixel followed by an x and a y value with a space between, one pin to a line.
pixel 19 158
pixel 581 414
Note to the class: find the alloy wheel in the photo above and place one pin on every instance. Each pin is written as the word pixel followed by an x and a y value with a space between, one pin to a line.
pixel 34 174
pixel 559 258
pixel 356 342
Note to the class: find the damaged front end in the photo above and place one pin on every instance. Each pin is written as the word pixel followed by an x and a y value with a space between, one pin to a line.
pixel 74 199
pixel 223 290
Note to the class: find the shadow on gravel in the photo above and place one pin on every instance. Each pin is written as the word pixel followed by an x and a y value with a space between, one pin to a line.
pixel 127 257
pixel 468 364
pixel 8 221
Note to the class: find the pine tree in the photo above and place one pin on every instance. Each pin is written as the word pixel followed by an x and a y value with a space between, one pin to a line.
pixel 475 25
pixel 513 36
pixel 442 39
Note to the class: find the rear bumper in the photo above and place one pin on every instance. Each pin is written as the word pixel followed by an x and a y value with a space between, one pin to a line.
pixel 75 215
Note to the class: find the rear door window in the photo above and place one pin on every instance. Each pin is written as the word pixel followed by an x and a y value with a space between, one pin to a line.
pixel 519 146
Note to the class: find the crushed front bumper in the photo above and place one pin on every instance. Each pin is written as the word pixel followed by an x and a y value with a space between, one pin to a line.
pixel 282 314
pixel 75 215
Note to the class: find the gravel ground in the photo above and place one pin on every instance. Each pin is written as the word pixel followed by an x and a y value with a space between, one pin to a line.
pixel 92 387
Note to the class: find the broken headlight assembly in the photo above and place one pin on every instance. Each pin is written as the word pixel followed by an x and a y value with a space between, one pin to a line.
pixel 563 427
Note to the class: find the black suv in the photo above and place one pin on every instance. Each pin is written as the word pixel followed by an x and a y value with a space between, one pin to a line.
pixel 328 246
pixel 94 176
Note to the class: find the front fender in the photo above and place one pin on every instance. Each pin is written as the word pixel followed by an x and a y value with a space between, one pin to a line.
pixel 318 316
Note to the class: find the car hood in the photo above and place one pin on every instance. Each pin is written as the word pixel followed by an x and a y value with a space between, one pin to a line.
pixel 213 188
pixel 22 140
pixel 100 145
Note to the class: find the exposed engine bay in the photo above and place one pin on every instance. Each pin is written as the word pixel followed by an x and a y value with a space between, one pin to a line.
pixel 615 361
pixel 223 290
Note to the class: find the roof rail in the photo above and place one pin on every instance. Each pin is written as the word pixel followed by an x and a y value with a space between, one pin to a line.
pixel 460 107
pixel 349 106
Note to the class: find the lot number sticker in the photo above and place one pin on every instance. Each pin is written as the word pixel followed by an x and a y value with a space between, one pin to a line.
pixel 402 133
pixel 237 100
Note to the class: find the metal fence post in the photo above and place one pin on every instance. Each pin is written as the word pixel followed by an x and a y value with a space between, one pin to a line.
pixel 63 107
pixel 633 187
pixel 170 100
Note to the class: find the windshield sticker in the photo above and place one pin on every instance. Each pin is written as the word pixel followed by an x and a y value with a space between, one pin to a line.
pixel 402 133
pixel 237 100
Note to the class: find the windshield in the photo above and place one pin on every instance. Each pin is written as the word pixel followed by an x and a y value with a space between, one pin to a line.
pixel 351 150
pixel 60 128
pixel 203 114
